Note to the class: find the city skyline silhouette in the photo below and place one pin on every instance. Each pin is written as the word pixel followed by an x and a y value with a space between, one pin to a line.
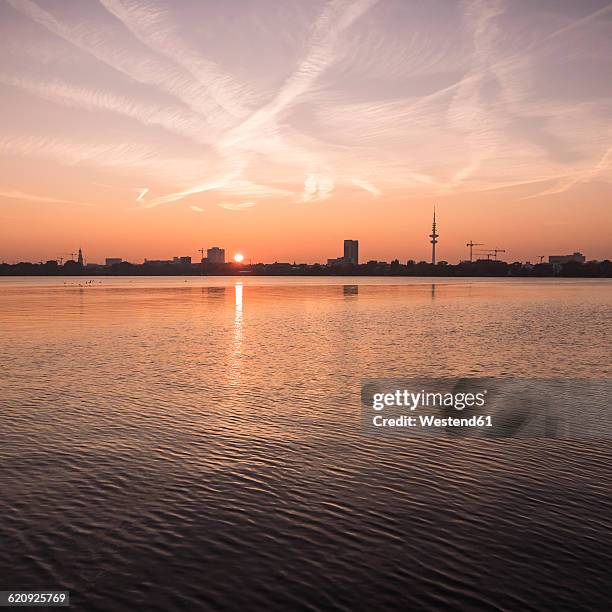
pixel 281 128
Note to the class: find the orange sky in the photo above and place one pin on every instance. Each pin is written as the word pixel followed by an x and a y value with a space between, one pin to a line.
pixel 151 129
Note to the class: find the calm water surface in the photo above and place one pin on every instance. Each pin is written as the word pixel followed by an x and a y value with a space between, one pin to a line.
pixel 195 443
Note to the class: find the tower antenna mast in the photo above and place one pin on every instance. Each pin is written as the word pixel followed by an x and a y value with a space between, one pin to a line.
pixel 434 238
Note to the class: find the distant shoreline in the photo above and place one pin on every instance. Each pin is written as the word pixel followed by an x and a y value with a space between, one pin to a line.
pixel 482 268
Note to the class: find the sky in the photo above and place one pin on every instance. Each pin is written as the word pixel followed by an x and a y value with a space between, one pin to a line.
pixel 153 128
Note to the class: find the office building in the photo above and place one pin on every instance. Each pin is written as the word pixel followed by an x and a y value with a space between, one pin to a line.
pixel 563 259
pixel 111 261
pixel 215 255
pixel 351 251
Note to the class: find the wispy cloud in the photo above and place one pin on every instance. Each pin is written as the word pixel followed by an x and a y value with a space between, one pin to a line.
pixel 336 17
pixel 367 186
pixel 230 184
pixel 359 94
pixel 175 119
pixel 154 27
pixel 142 192
pixel 237 206
pixel 124 158
pixel 567 182
pixel 20 195
pixel 471 111
pixel 103 44
pixel 317 187
pixel 74 152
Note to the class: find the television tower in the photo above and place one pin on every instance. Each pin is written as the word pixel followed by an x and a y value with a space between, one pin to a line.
pixel 434 238
pixel 80 258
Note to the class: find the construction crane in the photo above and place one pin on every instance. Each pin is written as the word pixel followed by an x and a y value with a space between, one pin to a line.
pixel 60 257
pixel 201 261
pixel 493 252
pixel 472 245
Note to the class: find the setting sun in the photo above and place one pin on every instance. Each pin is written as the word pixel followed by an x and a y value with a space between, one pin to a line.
pixel 238 257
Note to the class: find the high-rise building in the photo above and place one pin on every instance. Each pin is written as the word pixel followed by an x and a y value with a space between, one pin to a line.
pixel 215 255
pixel 80 258
pixel 351 251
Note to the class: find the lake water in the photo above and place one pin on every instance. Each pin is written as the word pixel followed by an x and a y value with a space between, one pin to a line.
pixel 195 443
